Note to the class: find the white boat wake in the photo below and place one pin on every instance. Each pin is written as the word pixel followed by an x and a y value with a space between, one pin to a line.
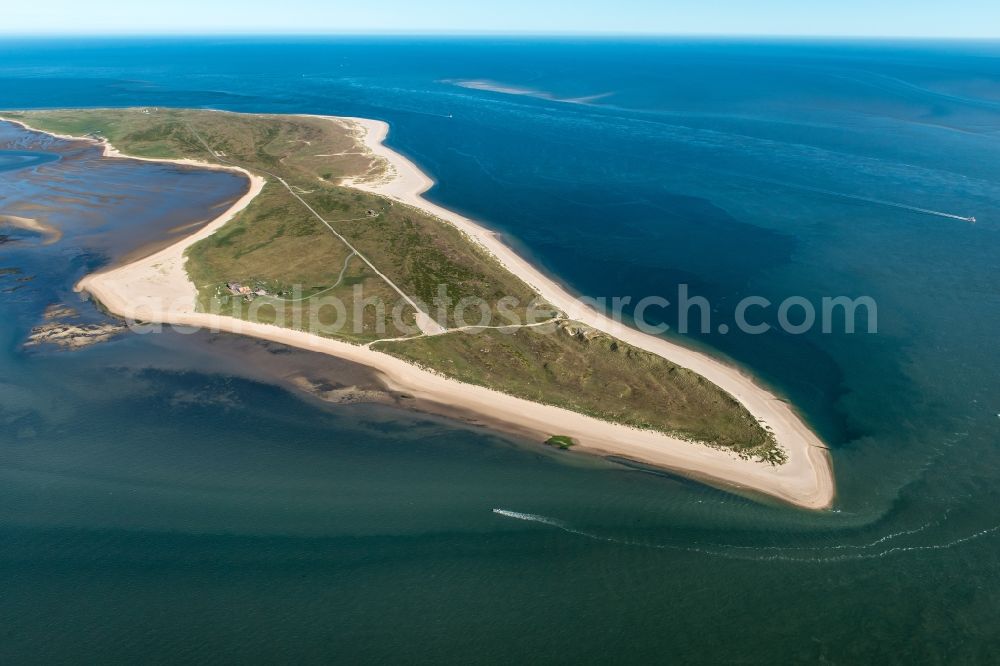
pixel 870 200
pixel 893 204
pixel 753 553
pixel 531 518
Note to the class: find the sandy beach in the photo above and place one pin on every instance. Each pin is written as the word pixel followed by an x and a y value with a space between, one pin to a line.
pixel 157 289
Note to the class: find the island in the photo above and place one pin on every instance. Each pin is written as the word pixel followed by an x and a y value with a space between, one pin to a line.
pixel 333 248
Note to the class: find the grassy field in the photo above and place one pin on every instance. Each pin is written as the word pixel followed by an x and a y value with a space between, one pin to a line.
pixel 279 246
pixel 276 244
pixel 589 372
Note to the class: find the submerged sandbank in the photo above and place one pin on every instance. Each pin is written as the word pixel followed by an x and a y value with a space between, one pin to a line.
pixel 50 233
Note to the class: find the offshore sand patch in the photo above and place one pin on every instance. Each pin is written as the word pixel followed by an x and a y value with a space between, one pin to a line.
pixel 49 233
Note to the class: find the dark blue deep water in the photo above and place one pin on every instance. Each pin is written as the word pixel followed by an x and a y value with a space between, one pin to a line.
pixel 155 504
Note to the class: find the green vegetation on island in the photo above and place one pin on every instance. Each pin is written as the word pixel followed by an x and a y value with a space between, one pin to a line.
pixel 303 236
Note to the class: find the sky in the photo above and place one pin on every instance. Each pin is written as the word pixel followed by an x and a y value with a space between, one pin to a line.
pixel 852 18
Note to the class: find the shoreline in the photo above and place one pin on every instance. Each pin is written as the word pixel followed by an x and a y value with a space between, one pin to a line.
pixel 157 289
pixel 804 448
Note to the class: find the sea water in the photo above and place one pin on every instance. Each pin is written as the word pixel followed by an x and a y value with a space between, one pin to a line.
pixel 154 504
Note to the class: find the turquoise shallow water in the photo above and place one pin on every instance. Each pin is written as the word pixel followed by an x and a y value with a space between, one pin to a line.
pixel 158 501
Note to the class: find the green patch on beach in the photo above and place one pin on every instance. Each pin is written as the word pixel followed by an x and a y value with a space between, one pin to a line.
pixel 562 441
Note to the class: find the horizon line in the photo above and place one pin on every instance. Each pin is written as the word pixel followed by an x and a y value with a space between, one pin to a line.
pixel 495 34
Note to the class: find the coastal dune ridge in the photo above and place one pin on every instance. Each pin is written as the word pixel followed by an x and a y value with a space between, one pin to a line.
pixel 157 289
